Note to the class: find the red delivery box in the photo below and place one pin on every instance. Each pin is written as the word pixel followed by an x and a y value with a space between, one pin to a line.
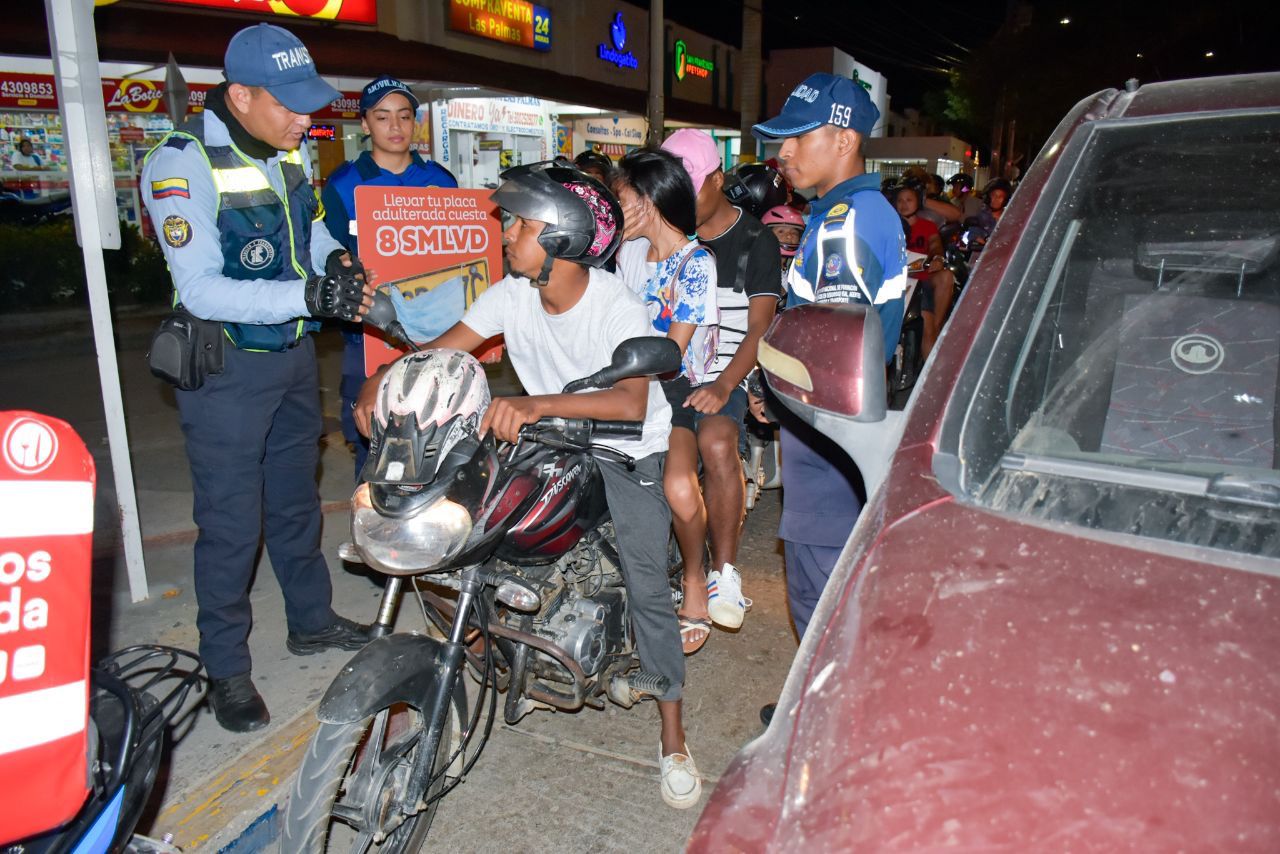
pixel 46 533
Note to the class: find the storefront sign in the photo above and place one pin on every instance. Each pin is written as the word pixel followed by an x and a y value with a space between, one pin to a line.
pixel 351 11
pixel 346 107
pixel 440 131
pixel 687 64
pixel 131 95
pixel 522 116
pixel 564 140
pixel 441 247
pixel 514 22
pixel 613 52
pixel 28 91
pixel 628 131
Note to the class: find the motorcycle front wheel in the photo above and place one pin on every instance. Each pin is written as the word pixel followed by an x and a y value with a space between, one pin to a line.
pixel 343 795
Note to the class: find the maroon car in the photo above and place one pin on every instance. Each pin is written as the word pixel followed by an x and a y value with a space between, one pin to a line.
pixel 1056 626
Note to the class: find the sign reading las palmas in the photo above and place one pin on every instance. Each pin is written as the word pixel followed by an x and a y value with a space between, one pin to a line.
pixel 514 22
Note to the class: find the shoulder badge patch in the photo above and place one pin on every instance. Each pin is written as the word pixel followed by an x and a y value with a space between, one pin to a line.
pixel 177 231
pixel 171 188
pixel 839 209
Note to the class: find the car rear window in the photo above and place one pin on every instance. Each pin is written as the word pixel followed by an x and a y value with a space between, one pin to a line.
pixel 1133 384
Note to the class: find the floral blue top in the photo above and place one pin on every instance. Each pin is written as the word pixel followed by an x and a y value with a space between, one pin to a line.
pixel 682 289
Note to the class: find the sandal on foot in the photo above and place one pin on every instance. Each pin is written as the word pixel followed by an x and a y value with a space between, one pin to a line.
pixel 694 632
pixel 681 783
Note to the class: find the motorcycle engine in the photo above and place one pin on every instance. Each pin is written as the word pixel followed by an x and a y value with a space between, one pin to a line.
pixel 578 627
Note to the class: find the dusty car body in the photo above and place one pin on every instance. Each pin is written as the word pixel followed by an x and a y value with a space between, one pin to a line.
pixel 1056 625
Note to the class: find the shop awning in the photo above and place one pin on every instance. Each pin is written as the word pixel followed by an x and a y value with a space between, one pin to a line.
pixel 613 149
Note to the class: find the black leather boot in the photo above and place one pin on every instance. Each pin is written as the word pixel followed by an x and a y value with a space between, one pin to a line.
pixel 237 704
pixel 340 634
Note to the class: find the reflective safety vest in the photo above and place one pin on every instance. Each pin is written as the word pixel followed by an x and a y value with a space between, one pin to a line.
pixel 262 234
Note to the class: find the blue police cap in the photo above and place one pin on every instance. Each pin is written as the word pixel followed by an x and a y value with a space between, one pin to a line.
pixel 822 99
pixel 381 88
pixel 272 57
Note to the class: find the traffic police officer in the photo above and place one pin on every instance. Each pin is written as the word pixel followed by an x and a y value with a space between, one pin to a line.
pixel 388 116
pixel 853 250
pixel 241 228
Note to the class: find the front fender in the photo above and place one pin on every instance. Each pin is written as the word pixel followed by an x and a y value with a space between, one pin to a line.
pixel 398 668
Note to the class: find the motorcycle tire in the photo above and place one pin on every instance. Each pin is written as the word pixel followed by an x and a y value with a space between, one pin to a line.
pixel 333 766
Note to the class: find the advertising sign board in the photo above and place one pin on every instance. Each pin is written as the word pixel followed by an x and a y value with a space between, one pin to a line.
pixel 46 541
pixel 439 247
pixel 351 11
pixel 513 22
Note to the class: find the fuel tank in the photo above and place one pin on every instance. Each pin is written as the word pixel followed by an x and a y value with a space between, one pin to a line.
pixel 569 502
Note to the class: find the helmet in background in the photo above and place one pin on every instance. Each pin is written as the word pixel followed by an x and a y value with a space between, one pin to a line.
pixel 596 160
pixel 784 215
pixel 755 187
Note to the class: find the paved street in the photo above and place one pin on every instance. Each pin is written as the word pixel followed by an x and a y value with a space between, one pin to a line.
pixel 554 782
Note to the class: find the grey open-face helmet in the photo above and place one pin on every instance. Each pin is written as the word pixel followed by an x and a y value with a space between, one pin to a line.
pixel 584 219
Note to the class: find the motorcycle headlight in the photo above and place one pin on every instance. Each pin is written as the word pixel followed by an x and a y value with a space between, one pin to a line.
pixel 410 544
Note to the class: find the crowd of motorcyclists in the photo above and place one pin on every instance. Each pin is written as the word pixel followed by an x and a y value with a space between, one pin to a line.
pixel 706 254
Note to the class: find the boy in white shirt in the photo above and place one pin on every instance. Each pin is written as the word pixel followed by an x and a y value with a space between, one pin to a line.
pixel 562 316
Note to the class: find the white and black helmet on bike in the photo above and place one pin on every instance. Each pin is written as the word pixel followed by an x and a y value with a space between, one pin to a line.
pixel 583 219
pixel 428 402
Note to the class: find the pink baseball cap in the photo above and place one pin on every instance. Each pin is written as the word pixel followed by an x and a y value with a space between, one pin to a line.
pixel 697 150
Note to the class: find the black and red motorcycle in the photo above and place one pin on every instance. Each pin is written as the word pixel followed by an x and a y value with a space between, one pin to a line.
pixel 511 553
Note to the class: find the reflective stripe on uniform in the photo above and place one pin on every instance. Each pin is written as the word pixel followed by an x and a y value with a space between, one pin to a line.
pixel 240 179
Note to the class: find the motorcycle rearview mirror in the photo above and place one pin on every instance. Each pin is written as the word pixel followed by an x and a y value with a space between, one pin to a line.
pixel 382 316
pixel 635 357
pixel 825 362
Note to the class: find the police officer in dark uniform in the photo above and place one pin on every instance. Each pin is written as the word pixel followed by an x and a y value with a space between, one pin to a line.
pixel 853 250
pixel 242 230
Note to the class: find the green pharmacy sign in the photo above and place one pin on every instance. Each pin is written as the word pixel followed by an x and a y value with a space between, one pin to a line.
pixel 687 63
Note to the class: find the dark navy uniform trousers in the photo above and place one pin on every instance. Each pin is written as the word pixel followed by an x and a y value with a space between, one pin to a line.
pixel 820 504
pixel 252 435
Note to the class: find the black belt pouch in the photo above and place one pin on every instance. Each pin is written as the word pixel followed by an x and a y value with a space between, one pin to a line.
pixel 185 350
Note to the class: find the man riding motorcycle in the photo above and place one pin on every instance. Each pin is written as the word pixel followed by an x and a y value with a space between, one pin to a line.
pixel 562 316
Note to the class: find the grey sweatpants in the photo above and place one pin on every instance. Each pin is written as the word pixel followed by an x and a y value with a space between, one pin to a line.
pixel 642 521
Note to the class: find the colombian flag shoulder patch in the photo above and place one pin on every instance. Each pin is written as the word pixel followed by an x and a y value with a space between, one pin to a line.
pixel 171 188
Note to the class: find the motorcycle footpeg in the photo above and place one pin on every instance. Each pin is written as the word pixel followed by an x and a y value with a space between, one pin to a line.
pixel 626 690
pixel 653 684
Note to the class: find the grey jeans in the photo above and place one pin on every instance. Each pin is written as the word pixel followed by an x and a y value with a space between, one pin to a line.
pixel 642 521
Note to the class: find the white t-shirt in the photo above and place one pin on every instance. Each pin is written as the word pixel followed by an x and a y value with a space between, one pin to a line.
pixel 31 161
pixel 549 351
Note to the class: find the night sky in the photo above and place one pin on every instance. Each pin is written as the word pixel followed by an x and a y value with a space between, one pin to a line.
pixel 916 43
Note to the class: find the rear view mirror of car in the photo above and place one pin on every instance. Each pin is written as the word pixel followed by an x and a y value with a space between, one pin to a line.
pixel 826 363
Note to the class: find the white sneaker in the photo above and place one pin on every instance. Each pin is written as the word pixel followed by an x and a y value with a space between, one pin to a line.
pixel 725 601
pixel 681 783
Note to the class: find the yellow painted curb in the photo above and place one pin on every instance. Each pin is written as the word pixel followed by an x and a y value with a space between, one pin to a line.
pixel 248 788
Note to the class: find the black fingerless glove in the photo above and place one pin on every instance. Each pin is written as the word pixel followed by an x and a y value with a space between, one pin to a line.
pixel 333 265
pixel 334 296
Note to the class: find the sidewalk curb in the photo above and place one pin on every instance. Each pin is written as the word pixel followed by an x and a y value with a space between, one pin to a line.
pixel 238 799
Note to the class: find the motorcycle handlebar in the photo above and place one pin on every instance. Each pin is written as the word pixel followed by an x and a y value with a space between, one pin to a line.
pixel 617 429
